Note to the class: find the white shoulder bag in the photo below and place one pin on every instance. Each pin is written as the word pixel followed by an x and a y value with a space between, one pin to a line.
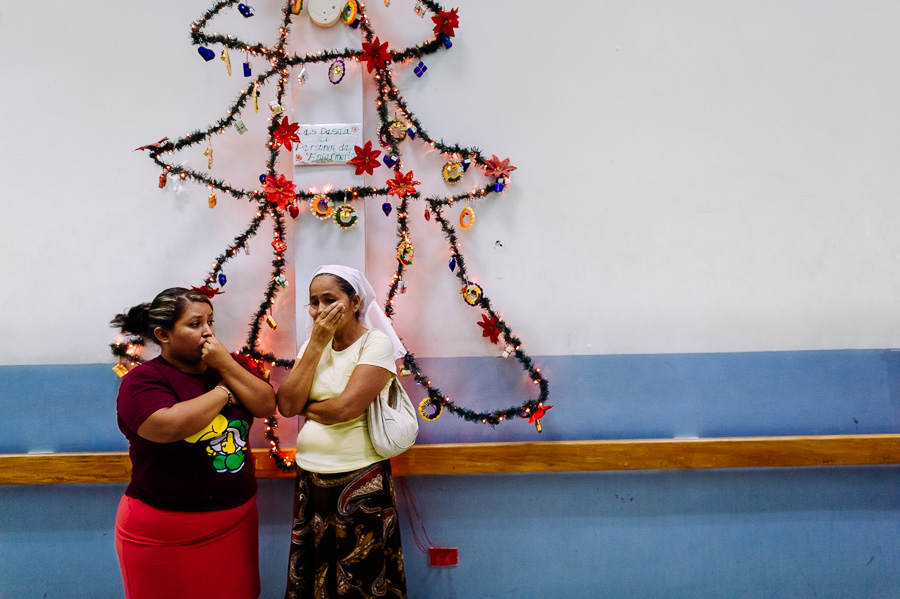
pixel 393 424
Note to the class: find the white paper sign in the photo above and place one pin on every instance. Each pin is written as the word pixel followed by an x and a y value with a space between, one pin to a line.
pixel 327 144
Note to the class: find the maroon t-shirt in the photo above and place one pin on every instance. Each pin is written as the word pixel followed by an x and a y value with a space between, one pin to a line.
pixel 206 472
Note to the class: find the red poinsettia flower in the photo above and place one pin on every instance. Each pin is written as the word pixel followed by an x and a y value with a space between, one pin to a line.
pixel 366 160
pixel 498 168
pixel 445 22
pixel 207 291
pixel 375 54
pixel 489 328
pixel 279 190
pixel 402 185
pixel 285 133
pixel 539 413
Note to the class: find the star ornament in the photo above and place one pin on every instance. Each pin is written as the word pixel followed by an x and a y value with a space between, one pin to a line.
pixel 286 133
pixel 375 54
pixel 498 168
pixel 366 160
pixel 445 22
pixel 402 185
pixel 489 328
pixel 279 190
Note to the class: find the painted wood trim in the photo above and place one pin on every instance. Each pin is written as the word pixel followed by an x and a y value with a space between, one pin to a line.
pixel 546 456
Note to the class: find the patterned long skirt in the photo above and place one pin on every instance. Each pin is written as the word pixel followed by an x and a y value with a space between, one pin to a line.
pixel 345 540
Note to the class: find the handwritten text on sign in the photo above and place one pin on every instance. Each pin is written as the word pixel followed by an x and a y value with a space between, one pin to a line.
pixel 327 144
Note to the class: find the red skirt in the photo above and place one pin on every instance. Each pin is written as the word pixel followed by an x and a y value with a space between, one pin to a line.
pixel 188 554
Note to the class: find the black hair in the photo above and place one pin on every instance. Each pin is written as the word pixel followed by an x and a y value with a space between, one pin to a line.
pixel 345 286
pixel 164 311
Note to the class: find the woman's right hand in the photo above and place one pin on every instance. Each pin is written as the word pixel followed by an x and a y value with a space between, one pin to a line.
pixel 326 323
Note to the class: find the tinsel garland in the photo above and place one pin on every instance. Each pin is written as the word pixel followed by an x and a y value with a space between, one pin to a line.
pixel 387 96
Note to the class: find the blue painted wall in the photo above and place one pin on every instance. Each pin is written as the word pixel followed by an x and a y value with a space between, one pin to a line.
pixel 816 532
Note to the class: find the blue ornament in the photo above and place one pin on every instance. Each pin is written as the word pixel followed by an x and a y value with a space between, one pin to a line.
pixel 247 69
pixel 420 69
pixel 245 10
pixel 387 208
pixel 206 53
pixel 452 264
pixel 262 179
pixel 222 279
pixel 412 131
pixel 466 163
pixel 447 43
pixel 498 186
pixel 390 159
pixel 355 23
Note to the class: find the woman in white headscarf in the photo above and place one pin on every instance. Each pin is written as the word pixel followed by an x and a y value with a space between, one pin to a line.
pixel 345 537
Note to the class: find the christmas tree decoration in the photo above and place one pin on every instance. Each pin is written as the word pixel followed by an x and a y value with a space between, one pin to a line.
pixel 452 172
pixel 222 279
pixel 336 71
pixel 208 152
pixel 537 415
pixel 402 185
pixel 345 216
pixel 285 133
pixel 271 322
pixel 248 68
pixel 391 159
pixel 396 123
pixel 212 200
pixel 120 370
pixel 430 409
pixel 466 218
pixel 207 291
pixel 472 293
pixel 348 14
pixel 279 190
pixel 226 59
pixel 366 160
pixel 281 281
pixel 239 126
pixel 163 178
pixel 321 206
pixel 420 69
pixel 246 10
pixel 489 328
pixel 206 53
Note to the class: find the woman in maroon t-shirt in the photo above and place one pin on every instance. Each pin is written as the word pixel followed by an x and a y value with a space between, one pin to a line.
pixel 187 525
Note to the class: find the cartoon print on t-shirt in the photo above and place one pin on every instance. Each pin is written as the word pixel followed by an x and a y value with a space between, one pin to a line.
pixel 227 442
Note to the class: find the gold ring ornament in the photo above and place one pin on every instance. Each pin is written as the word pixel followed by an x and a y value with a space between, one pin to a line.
pixel 321 206
pixel 466 218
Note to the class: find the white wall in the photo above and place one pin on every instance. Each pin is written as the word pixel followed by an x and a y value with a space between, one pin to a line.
pixel 692 176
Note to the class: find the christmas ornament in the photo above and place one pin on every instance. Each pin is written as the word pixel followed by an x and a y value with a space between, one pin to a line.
pixel 321 206
pixel 120 370
pixel 420 69
pixel 466 218
pixel 294 211
pixel 222 279
pixel 445 22
pixel 420 10
pixel 386 208
pixel 391 159
pixel 452 263
pixel 412 131
pixel 348 14
pixel 375 54
pixel 285 133
pixel 208 152
pixel 301 76
pixel 279 246
pixel 209 292
pixel 430 409
pixel 452 172
pixel 472 293
pixel 154 146
pixel 279 190
pixel 276 108
pixel 246 10
pixel 212 199
pixel 498 168
pixel 489 328
pixel 281 281
pixel 226 59
pixel 508 351
pixel 402 285
pixel 402 185
pixel 406 252
pixel 239 126
pixel 537 415
pixel 271 322
pixel 499 184
pixel 446 41
pixel 366 160
pixel 248 68
pixel 163 178
pixel 336 71
pixel 206 53
pixel 427 214
pixel 296 6
pixel 255 94
pixel 345 216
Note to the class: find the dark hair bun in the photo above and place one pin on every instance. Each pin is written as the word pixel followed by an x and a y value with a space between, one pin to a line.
pixel 135 321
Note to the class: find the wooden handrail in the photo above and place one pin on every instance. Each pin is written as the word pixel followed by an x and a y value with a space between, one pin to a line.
pixel 512 457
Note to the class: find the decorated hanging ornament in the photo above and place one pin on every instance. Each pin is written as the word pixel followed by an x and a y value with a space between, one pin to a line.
pixel 206 53
pixel 366 160
pixel 276 108
pixel 285 133
pixel 386 208
pixel 336 71
pixel 321 206
pixel 537 415
pixel 226 59
pixel 508 351
pixel 345 216
pixel 420 10
pixel 391 159
pixel 281 281
pixel 427 214
pixel 445 22
pixel 499 184
pixel 239 125
pixel 348 13
pixel 163 179
pixel 430 409
pixel 375 54
pixel 246 10
pixel 271 322
pixel 293 210
pixel 452 263
pixel 412 131
pixel 402 285
pixel 452 172
pixel 296 6
pixel 406 252
pixel 420 69
pixel 302 76
pixel 402 185
pixel 255 93
pixel 466 218
pixel 212 199
pixel 208 152
pixel 279 245
pixel 248 68
pixel 222 279
pixel 446 41
pixel 472 293
pixel 489 328
pixel 279 190
pixel 120 370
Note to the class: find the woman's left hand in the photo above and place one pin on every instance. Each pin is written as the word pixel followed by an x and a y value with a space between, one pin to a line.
pixel 215 354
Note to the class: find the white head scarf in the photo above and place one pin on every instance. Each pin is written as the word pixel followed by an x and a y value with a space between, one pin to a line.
pixel 371 315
